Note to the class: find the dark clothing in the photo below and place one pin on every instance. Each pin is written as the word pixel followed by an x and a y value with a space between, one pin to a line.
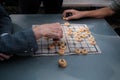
pixel 32 6
pixel 115 5
pixel 117 30
pixel 20 43
pixel 5 22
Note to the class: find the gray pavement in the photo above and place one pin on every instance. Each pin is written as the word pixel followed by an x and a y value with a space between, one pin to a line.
pixel 86 3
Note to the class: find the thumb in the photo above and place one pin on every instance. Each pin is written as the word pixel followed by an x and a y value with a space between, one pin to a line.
pixel 70 18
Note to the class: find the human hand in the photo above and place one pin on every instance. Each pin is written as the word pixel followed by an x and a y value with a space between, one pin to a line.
pixel 99 13
pixel 4 57
pixel 53 30
pixel 75 14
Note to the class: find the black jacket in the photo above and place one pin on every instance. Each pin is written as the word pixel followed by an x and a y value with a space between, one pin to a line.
pixel 20 43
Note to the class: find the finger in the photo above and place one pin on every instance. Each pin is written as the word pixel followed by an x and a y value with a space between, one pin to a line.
pixel 57 28
pixel 71 17
pixel 56 35
pixel 65 12
pixel 61 36
pixel 55 24
pixel 68 11
pixel 51 35
pixel 4 56
pixel 61 33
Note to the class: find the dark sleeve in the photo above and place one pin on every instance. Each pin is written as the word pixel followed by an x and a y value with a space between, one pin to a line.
pixel 5 22
pixel 115 5
pixel 20 43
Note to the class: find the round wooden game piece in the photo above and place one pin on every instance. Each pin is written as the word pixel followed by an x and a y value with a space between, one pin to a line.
pixel 64 18
pixel 62 63
pixel 67 24
pixel 91 38
pixel 62 44
pixel 62 47
pixel 77 51
pixel 81 29
pixel 69 30
pixel 79 39
pixel 51 46
pixel 92 42
pixel 70 33
pixel 61 52
pixel 84 51
pixel 83 35
pixel 86 29
pixel 76 34
pixel 88 32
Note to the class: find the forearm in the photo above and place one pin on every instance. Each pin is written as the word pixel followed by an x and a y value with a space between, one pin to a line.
pixel 24 42
pixel 20 43
pixel 99 13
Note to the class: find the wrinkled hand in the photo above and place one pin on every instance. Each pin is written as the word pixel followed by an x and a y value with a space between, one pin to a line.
pixel 53 30
pixel 75 14
pixel 4 57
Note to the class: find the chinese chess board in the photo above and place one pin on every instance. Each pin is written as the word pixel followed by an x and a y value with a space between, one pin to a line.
pixel 75 36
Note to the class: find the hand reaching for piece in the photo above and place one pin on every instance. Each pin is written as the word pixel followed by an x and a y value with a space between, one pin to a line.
pixel 74 14
pixel 99 13
pixel 53 30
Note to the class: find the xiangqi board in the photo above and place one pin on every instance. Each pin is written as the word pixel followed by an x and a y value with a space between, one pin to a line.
pixel 77 39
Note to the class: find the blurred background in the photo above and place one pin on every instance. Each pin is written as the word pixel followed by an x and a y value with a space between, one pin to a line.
pixel 12 7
